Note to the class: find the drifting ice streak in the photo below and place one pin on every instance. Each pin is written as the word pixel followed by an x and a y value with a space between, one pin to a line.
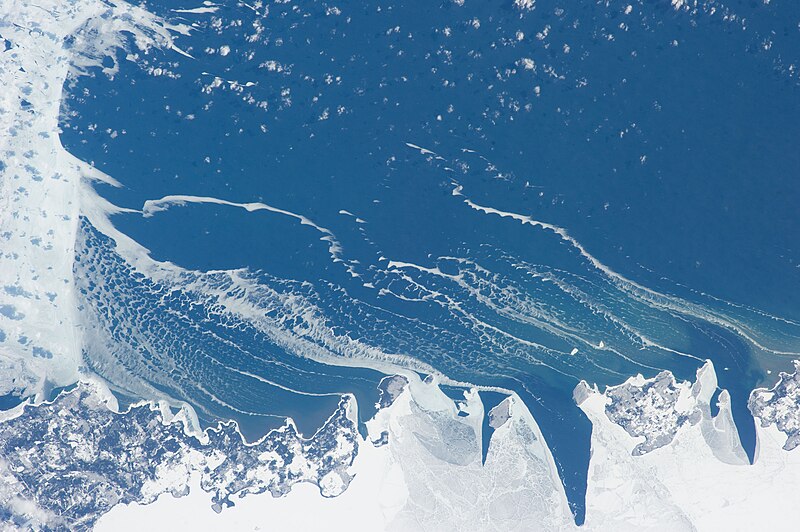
pixel 152 207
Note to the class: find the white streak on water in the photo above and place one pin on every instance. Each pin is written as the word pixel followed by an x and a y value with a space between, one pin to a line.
pixel 335 249
pixel 198 10
pixel 424 151
pixel 636 290
pixel 543 320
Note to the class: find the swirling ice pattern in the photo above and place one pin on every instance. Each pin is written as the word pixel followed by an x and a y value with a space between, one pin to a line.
pixel 253 345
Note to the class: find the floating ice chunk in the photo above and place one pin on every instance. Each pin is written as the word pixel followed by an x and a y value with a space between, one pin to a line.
pixel 526 5
pixel 425 151
pixel 197 10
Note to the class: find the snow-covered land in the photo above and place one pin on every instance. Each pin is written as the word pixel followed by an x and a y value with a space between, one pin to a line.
pixel 66 463
pixel 694 474
pixel 426 473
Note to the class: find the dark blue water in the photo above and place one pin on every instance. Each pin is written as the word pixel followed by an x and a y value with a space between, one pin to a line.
pixel 663 141
pixel 55 391
pixel 490 400
pixel 9 401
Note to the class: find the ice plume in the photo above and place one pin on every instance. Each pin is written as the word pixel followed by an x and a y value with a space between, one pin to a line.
pixel 69 307
pixel 672 304
pixel 334 247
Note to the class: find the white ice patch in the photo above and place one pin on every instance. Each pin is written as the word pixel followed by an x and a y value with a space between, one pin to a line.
pixel 198 10
pixel 40 182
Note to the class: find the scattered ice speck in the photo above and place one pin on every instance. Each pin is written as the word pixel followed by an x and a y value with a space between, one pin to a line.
pixel 542 35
